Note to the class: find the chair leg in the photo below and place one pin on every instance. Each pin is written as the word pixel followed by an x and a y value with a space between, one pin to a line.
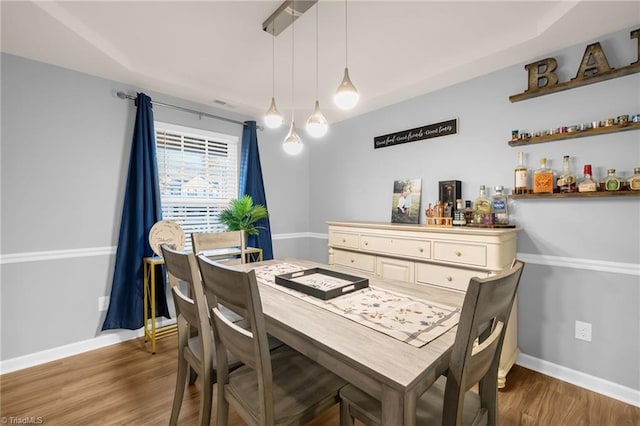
pixel 345 415
pixel 222 407
pixel 206 398
pixel 181 381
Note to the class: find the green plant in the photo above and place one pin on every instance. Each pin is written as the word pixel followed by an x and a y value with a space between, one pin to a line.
pixel 242 214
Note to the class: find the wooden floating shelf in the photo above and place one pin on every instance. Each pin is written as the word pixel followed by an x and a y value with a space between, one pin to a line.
pixel 576 134
pixel 596 194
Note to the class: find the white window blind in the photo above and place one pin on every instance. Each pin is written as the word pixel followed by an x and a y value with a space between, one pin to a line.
pixel 198 173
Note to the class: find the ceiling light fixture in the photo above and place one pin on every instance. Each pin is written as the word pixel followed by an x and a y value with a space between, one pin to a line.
pixel 346 96
pixel 273 118
pixel 317 125
pixel 292 144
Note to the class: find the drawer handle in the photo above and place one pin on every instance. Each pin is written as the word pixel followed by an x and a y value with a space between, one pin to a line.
pixel 457 253
pixel 366 243
pixel 344 241
pixel 421 250
pixel 352 260
pixel 449 278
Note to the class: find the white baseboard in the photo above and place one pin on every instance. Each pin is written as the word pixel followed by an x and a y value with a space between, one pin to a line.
pixel 578 378
pixel 106 339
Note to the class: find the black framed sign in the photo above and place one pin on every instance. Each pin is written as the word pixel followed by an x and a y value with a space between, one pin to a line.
pixel 444 128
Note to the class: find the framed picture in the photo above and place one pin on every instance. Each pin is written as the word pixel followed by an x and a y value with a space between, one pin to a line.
pixel 405 206
pixel 448 192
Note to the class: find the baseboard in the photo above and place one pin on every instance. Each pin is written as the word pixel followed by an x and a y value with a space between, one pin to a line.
pixel 107 339
pixel 578 378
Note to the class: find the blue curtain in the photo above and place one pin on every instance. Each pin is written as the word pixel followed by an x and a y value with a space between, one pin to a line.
pixel 251 184
pixel 141 210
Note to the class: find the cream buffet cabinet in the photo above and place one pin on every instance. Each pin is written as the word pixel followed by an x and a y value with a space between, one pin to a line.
pixel 445 257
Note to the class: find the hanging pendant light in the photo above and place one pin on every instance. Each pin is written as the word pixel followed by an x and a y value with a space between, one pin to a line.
pixel 292 144
pixel 273 118
pixel 346 96
pixel 317 125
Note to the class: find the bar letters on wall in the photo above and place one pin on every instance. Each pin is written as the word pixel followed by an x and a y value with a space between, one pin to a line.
pixel 594 68
pixel 449 127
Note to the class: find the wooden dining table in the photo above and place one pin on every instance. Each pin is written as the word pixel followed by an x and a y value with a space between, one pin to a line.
pixel 389 369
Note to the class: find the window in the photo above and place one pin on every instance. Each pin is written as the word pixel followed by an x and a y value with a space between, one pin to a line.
pixel 198 174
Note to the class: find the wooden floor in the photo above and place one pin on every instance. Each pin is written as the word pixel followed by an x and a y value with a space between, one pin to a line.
pixel 125 385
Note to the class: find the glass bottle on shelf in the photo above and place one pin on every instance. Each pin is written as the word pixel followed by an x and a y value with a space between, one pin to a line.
pixel 458 215
pixel 611 181
pixel 482 206
pixel 499 206
pixel 543 179
pixel 633 183
pixel 521 176
pixel 567 179
pixel 587 184
pixel 468 212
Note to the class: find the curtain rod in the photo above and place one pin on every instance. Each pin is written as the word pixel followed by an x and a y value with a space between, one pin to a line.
pixel 123 95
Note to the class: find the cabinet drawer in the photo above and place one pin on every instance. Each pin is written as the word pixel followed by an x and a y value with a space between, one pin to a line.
pixel 397 246
pixel 395 269
pixel 343 239
pixel 457 279
pixel 364 262
pixel 460 253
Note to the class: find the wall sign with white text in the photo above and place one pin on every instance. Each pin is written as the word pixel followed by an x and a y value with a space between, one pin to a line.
pixel 449 127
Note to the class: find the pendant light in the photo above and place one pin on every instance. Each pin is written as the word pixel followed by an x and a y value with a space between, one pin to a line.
pixel 317 125
pixel 273 118
pixel 292 144
pixel 346 96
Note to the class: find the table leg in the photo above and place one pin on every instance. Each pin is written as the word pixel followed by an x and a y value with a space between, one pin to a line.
pixel 145 298
pixel 153 309
pixel 393 409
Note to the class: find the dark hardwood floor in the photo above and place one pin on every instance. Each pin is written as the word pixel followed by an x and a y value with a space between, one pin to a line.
pixel 125 385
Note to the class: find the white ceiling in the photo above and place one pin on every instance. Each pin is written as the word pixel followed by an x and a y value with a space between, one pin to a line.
pixel 205 51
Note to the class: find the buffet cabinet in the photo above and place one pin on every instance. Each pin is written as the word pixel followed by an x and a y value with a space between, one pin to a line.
pixel 434 256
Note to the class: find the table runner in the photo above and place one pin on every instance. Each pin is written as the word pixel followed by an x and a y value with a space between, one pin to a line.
pixel 413 321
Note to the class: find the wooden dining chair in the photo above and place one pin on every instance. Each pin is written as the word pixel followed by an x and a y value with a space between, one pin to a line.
pixel 195 349
pixel 281 387
pixel 233 240
pixel 449 401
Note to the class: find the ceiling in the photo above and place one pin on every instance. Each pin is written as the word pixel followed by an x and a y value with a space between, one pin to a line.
pixel 215 52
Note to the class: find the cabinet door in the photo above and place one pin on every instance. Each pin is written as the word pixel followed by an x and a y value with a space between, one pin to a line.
pixel 395 269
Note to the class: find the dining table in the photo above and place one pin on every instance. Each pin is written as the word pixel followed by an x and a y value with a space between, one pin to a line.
pixel 389 369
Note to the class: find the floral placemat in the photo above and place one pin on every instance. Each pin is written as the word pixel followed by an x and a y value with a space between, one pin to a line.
pixel 410 320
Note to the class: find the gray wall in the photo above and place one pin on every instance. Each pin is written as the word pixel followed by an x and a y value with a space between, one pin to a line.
pixel 61 126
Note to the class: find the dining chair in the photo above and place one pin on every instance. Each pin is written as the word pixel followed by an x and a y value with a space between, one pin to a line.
pixel 234 240
pixel 195 349
pixel 449 401
pixel 279 387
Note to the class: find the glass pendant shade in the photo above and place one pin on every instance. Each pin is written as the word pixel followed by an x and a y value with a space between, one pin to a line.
pixel 292 144
pixel 346 96
pixel 317 125
pixel 272 118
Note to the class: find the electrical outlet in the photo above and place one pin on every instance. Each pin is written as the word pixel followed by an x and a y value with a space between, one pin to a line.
pixel 103 303
pixel 583 331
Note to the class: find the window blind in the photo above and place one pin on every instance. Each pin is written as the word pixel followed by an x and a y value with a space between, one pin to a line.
pixel 198 174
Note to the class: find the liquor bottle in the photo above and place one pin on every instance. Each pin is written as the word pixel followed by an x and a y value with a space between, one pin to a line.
pixel 567 180
pixel 458 215
pixel 543 179
pixel 633 183
pixel 587 184
pixel 499 206
pixel 521 176
pixel 611 181
pixel 468 212
pixel 481 206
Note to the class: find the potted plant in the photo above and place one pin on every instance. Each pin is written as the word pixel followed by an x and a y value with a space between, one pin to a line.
pixel 242 214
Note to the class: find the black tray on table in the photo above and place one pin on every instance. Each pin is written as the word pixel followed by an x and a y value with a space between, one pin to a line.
pixel 322 283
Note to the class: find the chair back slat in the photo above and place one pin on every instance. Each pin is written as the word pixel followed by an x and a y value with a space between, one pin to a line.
pixel 238 291
pixel 484 316
pixel 202 241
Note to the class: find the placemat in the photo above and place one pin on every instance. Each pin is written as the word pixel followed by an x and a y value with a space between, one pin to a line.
pixel 414 321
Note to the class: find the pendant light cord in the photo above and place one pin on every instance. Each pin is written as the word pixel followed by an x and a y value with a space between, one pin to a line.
pixel 346 43
pixel 292 56
pixel 273 60
pixel 317 13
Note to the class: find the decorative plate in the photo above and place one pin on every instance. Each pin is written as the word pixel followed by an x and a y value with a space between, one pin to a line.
pixel 166 232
